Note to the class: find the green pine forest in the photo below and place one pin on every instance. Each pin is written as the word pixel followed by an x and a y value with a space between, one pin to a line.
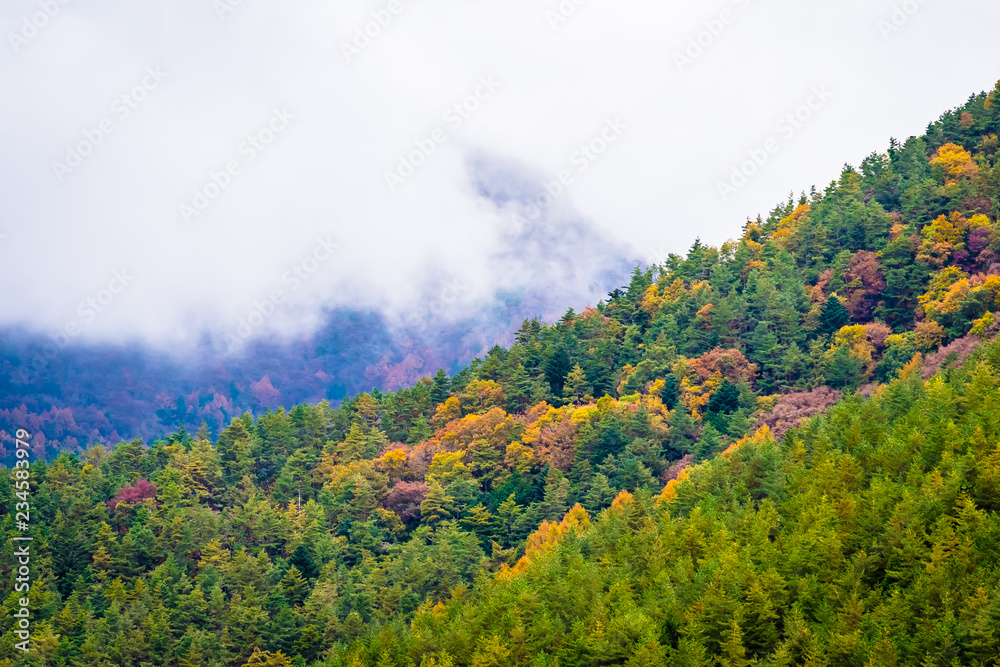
pixel 781 451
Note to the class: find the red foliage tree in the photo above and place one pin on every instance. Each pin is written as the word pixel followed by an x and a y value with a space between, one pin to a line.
pixel 865 284
pixel 405 499
pixel 134 494
pixel 792 409
pixel 731 364
pixel 960 348
pixel 264 393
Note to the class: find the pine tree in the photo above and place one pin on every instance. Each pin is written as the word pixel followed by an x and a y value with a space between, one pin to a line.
pixel 294 586
pixel 556 369
pixel 442 384
pixel 733 651
pixel 354 445
pixel 575 387
pixel 419 431
pixel 213 554
pixel 600 494
pixel 684 432
pixel 843 369
pixel 760 620
pixel 282 632
pixel 303 559
pixel 437 505
pixel 555 502
pixel 519 391
pixel 508 512
pixel 833 316
pixel 480 521
pixel 725 399
pixel 671 391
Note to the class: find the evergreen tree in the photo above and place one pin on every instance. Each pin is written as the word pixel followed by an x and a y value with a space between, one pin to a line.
pixel 575 386
pixel 440 390
pixel 420 431
pixel 556 369
pixel 436 506
pixel 833 316
pixel 670 392
pixel 725 399
pixel 520 390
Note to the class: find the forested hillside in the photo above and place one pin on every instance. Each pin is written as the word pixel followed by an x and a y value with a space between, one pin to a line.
pixel 72 394
pixel 780 451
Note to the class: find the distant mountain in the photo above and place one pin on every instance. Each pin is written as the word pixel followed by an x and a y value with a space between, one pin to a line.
pixel 85 394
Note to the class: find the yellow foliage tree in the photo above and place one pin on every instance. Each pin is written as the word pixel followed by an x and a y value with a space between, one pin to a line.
pixel 946 297
pixel 992 97
pixel 946 229
pixel 788 224
pixel 480 396
pixel 674 291
pixel 956 161
pixel 762 435
pixel 393 463
pixel 447 411
pixel 695 397
pixel 670 490
pixel 928 335
pixel 946 234
pixel 547 536
pixel 267 659
pixel 623 499
pixel 651 300
pixel 704 315
pixel 939 285
pixel 981 326
pixel 518 458
pixel 855 339
pixel 447 467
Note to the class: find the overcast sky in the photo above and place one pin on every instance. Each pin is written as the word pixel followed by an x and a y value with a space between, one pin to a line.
pixel 286 118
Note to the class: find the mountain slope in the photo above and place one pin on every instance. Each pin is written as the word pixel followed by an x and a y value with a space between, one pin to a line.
pixel 602 491
pixel 868 536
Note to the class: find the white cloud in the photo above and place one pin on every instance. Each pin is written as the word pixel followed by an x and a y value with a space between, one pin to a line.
pixel 325 175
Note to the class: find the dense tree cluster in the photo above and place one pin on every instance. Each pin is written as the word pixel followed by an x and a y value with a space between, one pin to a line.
pixel 868 536
pixel 650 481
